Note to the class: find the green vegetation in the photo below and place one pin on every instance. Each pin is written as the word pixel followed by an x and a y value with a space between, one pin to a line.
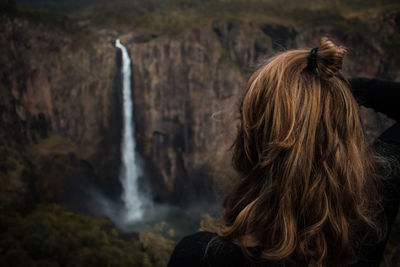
pixel 40 16
pixel 52 236
pixel 172 17
pixel 64 6
pixel 175 15
pixel 53 21
pixel 157 241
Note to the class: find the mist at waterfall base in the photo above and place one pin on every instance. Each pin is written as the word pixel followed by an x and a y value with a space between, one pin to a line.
pixel 136 208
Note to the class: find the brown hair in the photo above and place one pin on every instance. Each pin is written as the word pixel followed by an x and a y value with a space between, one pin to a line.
pixel 307 190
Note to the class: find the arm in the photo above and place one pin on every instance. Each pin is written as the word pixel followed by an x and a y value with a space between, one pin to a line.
pixel 380 95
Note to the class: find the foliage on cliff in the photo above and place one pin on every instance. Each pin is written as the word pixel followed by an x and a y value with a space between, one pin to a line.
pixel 37 15
pixel 53 236
pixel 175 15
pixel 172 17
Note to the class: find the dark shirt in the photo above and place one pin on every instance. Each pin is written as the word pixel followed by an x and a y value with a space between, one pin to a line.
pixel 207 249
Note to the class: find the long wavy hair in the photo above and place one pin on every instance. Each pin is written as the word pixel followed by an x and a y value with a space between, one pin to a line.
pixel 308 186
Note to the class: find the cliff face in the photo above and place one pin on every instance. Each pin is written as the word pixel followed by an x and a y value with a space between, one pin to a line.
pixel 60 103
pixel 59 112
pixel 187 88
pixel 185 94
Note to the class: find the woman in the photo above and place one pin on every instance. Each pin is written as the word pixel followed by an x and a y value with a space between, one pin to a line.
pixel 311 192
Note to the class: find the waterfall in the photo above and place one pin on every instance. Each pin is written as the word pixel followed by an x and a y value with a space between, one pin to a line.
pixel 133 200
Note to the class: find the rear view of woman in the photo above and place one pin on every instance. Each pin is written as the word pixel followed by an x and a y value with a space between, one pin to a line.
pixel 311 191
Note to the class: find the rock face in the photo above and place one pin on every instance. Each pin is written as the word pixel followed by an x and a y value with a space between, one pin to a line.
pixel 187 91
pixel 60 106
pixel 185 94
pixel 59 109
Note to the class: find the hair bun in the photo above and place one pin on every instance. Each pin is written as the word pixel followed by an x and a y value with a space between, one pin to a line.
pixel 329 58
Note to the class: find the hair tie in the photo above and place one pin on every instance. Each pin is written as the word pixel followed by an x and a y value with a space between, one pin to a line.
pixel 312 59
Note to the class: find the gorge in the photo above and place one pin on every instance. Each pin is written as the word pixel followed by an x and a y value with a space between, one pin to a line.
pixel 65 121
pixel 185 93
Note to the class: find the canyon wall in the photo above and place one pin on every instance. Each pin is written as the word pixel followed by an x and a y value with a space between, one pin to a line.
pixel 60 105
pixel 60 113
pixel 187 91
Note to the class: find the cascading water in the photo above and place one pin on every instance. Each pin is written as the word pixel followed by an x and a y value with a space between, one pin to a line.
pixel 133 200
pixel 138 208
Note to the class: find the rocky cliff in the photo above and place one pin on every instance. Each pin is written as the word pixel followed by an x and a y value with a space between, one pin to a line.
pixel 60 101
pixel 187 88
pixel 60 113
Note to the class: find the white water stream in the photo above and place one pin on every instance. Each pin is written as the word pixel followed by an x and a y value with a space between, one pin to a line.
pixel 138 208
pixel 133 199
